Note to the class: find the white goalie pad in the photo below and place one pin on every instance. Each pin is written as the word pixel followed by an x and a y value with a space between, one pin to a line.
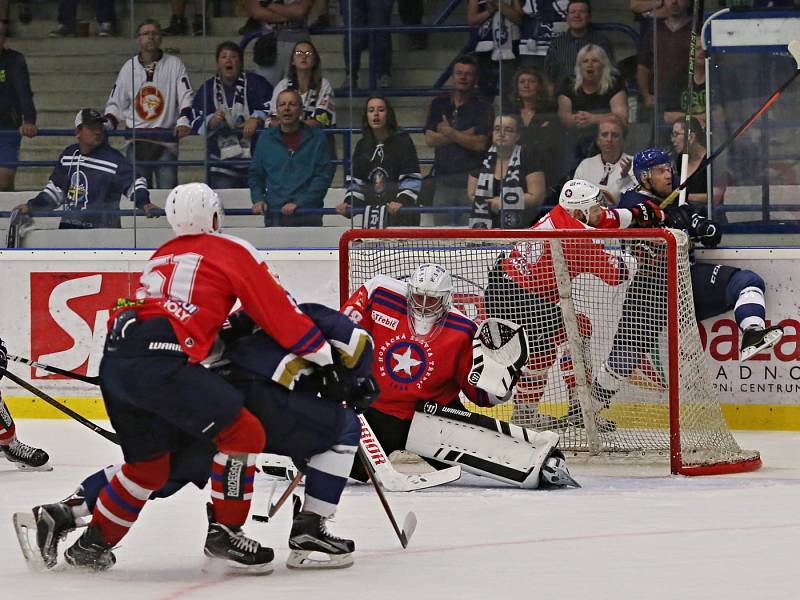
pixel 506 452
pixel 499 351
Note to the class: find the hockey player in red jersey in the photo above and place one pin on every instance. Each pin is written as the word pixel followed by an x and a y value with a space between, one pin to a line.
pixel 26 458
pixel 424 355
pixel 156 392
pixel 522 287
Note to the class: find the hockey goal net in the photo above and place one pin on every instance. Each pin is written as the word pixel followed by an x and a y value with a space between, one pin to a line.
pixel 600 307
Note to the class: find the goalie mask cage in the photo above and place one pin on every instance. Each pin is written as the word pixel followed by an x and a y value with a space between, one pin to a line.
pixel 620 297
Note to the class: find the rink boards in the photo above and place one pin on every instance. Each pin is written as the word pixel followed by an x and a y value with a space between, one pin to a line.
pixel 55 306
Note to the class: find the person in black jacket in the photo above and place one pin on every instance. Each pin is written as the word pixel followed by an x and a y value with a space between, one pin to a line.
pixel 17 112
pixel 385 175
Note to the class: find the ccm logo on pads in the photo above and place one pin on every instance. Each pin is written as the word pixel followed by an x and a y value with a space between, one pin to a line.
pixel 385 320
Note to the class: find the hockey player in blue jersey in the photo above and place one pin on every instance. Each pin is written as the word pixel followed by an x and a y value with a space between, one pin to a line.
pixel 715 288
pixel 89 179
pixel 308 413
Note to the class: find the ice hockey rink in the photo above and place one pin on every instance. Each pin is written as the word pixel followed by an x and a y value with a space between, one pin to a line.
pixel 628 534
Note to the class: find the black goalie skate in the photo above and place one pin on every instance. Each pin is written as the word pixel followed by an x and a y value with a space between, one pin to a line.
pixel 309 536
pixel 237 552
pixel 26 458
pixel 90 551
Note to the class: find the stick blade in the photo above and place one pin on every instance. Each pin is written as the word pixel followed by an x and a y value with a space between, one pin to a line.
pixel 794 50
pixel 409 527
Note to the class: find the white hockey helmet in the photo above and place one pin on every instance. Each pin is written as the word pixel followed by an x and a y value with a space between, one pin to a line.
pixel 429 295
pixel 578 194
pixel 555 473
pixel 191 209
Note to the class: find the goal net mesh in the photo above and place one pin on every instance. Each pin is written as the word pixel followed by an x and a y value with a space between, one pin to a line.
pixel 596 315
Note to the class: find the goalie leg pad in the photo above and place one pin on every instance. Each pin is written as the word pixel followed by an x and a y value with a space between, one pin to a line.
pixel 481 445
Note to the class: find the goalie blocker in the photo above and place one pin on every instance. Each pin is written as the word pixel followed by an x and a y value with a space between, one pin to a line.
pixel 488 447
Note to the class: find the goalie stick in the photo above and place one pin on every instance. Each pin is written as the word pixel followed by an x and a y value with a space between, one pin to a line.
pixel 794 50
pixel 391 479
pixel 109 435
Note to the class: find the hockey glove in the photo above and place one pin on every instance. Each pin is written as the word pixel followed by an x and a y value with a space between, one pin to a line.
pixel 3 358
pixel 706 231
pixel 335 382
pixel 237 325
pixel 364 393
pixel 648 214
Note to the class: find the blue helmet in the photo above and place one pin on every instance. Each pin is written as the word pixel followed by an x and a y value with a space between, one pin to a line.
pixel 647 159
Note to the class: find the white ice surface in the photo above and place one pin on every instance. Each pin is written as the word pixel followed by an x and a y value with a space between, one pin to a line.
pixel 643 536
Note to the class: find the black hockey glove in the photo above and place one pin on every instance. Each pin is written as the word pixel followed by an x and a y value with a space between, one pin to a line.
pixel 334 382
pixel 680 217
pixel 237 325
pixel 648 214
pixel 3 357
pixel 706 231
pixel 364 393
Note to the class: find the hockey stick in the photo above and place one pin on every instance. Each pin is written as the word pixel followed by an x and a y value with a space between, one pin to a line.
pixel 689 89
pixel 794 50
pixel 409 523
pixel 54 370
pixel 274 508
pixel 109 435
pixel 391 479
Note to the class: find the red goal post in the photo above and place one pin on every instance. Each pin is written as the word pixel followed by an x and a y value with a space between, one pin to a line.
pixel 620 297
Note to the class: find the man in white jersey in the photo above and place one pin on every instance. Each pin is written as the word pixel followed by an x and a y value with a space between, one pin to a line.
pixel 152 93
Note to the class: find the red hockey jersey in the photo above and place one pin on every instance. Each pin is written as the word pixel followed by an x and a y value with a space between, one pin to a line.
pixel 409 369
pixel 195 280
pixel 530 263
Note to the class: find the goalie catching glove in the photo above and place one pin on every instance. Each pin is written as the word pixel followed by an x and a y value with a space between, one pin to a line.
pixel 499 351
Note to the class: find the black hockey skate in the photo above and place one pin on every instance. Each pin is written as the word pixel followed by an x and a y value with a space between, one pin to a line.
pixel 310 536
pixel 26 458
pixel 90 551
pixel 237 552
pixel 53 523
pixel 756 340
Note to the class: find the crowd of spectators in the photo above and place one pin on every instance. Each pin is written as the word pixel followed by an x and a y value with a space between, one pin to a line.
pixel 538 100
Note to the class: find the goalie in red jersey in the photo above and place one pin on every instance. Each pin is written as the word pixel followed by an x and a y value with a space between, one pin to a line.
pixel 522 287
pixel 426 354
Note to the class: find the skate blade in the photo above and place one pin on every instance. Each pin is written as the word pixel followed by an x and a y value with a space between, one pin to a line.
pixel 310 559
pixel 222 566
pixel 25 527
pixel 770 339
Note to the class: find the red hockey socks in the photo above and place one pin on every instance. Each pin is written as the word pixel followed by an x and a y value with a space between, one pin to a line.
pixel 121 501
pixel 234 468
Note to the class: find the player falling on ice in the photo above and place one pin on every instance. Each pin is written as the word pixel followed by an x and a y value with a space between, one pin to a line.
pixel 522 288
pixel 24 457
pixel 155 388
pixel 302 411
pixel 715 288
pixel 426 354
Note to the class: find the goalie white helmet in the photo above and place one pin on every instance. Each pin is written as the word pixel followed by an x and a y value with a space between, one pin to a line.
pixel 555 472
pixel 581 195
pixel 430 292
pixel 194 208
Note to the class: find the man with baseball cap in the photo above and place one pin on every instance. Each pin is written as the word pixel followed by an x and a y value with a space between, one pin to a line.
pixel 89 179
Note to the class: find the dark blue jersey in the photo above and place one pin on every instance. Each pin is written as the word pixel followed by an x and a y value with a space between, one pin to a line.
pixel 91 182
pixel 261 354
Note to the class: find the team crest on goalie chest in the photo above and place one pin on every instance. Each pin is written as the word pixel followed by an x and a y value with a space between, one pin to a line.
pixel 405 362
